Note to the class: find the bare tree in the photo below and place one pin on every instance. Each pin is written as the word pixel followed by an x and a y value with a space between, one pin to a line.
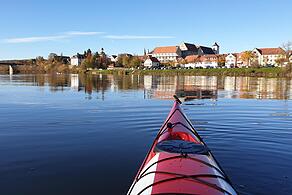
pixel 287 47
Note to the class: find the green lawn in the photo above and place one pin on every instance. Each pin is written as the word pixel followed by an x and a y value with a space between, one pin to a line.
pixel 265 72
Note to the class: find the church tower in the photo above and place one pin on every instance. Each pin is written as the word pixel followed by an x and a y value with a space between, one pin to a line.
pixel 215 48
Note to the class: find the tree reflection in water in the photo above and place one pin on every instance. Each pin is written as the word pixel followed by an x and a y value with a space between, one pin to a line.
pixel 164 87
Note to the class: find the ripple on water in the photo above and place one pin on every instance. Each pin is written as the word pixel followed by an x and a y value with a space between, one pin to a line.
pixel 57 140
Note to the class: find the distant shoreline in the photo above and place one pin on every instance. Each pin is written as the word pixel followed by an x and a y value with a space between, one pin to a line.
pixel 251 72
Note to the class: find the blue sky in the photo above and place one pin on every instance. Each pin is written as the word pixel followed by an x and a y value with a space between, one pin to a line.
pixel 31 28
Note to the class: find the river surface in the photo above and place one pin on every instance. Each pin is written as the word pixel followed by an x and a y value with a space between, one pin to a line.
pixel 75 134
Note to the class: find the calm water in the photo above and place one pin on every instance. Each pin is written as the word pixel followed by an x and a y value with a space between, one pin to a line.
pixel 70 134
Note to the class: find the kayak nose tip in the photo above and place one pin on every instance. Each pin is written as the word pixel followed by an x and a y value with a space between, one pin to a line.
pixel 177 99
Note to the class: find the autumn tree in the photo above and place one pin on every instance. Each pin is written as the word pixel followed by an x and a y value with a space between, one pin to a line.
pixel 172 64
pixel 103 60
pixel 52 56
pixel 182 61
pixel 88 62
pixel 280 60
pixel 221 60
pixel 95 60
pixel 248 56
pixel 135 62
pixel 129 61
pixel 124 60
pixel 40 60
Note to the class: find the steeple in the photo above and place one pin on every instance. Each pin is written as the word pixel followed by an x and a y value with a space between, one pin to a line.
pixel 215 48
pixel 102 52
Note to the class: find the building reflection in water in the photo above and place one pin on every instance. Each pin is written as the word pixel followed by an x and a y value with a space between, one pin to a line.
pixel 185 87
pixel 74 82
pixel 163 87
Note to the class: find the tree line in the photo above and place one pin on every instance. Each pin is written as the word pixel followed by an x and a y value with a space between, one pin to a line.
pixel 95 60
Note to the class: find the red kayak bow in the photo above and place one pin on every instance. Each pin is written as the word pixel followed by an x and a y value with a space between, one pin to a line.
pixel 179 162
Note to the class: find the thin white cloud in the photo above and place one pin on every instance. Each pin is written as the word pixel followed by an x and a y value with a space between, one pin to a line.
pixel 133 37
pixel 80 33
pixel 65 35
pixel 34 39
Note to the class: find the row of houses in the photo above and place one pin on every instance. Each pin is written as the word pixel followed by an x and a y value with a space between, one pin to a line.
pixel 191 55
pixel 176 54
pixel 261 56
pixel 168 54
pixel 76 60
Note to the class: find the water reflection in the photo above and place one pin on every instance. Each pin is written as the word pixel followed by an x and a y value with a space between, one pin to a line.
pixel 163 87
pixel 55 141
pixel 186 87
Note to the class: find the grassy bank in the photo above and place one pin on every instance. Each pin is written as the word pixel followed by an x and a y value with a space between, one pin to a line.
pixel 257 72
pixel 252 72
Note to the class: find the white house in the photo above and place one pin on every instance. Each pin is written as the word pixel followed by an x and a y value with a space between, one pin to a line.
pixel 77 60
pixel 240 63
pixel 209 61
pixel 113 58
pixel 205 61
pixel 167 54
pixel 192 61
pixel 234 60
pixel 231 60
pixel 151 62
pixel 268 56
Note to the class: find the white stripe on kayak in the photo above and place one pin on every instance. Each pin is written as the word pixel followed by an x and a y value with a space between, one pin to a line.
pixel 223 183
pixel 146 180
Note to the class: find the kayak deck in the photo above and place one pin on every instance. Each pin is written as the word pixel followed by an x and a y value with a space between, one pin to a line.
pixel 179 162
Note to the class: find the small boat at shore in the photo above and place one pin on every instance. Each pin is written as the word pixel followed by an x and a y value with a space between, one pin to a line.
pixel 179 162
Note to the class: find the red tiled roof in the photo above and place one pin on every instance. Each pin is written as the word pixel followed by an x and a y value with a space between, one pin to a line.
pixel 192 58
pixel 271 51
pixel 203 58
pixel 168 49
pixel 211 57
